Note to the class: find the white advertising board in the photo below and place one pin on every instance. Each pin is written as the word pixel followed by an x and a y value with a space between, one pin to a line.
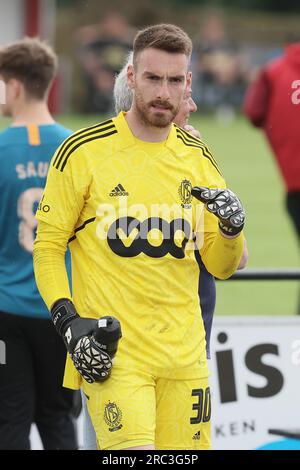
pixel 255 379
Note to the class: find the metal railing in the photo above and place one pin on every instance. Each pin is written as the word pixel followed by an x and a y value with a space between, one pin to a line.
pixel 267 275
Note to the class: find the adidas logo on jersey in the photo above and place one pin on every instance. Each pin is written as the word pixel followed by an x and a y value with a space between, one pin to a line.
pixel 196 437
pixel 119 191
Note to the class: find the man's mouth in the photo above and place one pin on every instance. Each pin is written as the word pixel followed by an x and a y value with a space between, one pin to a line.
pixel 161 107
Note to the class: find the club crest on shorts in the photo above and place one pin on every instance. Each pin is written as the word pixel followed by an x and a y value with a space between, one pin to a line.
pixel 185 193
pixel 113 417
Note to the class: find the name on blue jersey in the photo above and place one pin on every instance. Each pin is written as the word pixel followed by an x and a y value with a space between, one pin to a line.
pixel 32 169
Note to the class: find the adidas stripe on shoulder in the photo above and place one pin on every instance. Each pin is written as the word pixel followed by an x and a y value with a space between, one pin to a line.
pixel 191 141
pixel 98 131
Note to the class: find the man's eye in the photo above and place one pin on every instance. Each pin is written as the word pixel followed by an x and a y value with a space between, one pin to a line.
pixel 176 80
pixel 153 78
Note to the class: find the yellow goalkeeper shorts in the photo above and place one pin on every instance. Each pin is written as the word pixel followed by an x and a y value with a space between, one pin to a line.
pixel 134 408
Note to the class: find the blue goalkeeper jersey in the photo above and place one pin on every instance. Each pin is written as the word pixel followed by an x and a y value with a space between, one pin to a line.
pixel 25 154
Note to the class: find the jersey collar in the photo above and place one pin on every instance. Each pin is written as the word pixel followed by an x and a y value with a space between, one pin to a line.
pixel 128 140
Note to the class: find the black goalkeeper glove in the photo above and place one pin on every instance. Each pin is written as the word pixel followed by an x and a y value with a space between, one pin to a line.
pixel 225 205
pixel 91 343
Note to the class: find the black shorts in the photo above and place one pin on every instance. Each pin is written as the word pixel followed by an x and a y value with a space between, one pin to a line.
pixel 31 374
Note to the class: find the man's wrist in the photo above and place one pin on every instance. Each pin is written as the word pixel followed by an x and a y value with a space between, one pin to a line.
pixel 229 237
pixel 63 312
pixel 228 229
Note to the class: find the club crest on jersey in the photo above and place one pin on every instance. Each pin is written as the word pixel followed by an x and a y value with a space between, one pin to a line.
pixel 185 193
pixel 113 417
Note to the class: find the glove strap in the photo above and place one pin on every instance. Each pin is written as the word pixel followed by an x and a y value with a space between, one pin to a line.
pixel 63 312
pixel 229 229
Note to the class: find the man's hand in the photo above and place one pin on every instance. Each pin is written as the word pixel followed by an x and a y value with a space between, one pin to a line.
pixel 89 357
pixel 192 131
pixel 225 205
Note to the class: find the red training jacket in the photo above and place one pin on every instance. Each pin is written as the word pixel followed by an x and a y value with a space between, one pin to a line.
pixel 272 102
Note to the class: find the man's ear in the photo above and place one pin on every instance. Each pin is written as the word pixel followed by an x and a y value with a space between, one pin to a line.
pixel 130 76
pixel 16 87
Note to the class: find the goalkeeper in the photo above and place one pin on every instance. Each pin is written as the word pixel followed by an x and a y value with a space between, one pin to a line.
pixel 104 190
pixel 207 290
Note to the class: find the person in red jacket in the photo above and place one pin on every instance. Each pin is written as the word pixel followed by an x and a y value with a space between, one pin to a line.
pixel 272 102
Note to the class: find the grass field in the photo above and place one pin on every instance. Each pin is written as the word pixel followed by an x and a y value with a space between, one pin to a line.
pixel 249 169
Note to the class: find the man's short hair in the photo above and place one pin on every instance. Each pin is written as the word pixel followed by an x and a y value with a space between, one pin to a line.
pixel 123 95
pixel 30 61
pixel 166 37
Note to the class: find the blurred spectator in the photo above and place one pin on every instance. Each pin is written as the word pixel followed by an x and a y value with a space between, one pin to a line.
pixel 103 49
pixel 31 379
pixel 272 103
pixel 219 73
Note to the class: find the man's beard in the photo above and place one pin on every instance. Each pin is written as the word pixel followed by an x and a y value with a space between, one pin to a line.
pixel 150 118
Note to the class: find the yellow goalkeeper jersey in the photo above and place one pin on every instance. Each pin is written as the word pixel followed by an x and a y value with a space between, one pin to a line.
pixel 132 221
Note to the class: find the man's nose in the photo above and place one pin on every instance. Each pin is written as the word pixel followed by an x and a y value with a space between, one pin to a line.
pixel 163 92
pixel 192 106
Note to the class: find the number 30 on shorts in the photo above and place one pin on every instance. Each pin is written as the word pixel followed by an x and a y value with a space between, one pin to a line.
pixel 202 406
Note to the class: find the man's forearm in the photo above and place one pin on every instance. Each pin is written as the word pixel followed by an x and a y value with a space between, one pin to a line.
pixel 244 258
pixel 49 266
pixel 221 255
